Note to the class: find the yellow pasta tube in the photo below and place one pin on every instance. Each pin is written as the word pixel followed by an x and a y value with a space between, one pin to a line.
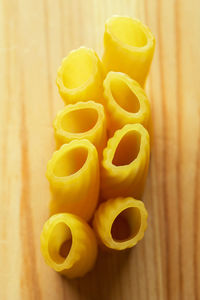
pixel 68 245
pixel 125 101
pixel 120 223
pixel 128 47
pixel 73 174
pixel 83 120
pixel 125 163
pixel 80 76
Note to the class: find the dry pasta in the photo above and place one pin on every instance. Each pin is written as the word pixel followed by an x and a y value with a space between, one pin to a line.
pixel 128 47
pixel 73 174
pixel 125 163
pixel 68 245
pixel 103 98
pixel 125 101
pixel 80 76
pixel 120 223
pixel 83 120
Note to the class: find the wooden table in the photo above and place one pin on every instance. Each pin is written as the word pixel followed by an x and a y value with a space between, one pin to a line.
pixel 34 36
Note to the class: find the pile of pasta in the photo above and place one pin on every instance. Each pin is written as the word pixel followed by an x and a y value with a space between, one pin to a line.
pixel 103 147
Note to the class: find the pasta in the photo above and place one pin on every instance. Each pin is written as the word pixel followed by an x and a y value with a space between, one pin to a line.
pixel 73 174
pixel 125 101
pixel 83 120
pixel 128 47
pixel 68 245
pixel 104 99
pixel 120 223
pixel 80 76
pixel 125 163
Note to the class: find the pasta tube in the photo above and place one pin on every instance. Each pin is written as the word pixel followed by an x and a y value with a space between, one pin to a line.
pixel 120 223
pixel 125 163
pixel 68 245
pixel 128 47
pixel 83 120
pixel 73 174
pixel 80 76
pixel 125 101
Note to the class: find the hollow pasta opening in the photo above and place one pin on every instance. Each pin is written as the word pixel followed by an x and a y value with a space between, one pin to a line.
pixel 124 96
pixel 70 162
pixel 128 31
pixel 80 120
pixel 127 149
pixel 78 68
pixel 126 225
pixel 59 243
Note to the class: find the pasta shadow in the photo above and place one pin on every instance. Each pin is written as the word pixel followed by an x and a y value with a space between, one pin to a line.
pixel 104 281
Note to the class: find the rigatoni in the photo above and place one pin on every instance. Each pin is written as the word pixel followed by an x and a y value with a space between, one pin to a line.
pixel 128 47
pixel 83 120
pixel 80 76
pixel 88 87
pixel 68 245
pixel 125 101
pixel 120 223
pixel 73 174
pixel 125 163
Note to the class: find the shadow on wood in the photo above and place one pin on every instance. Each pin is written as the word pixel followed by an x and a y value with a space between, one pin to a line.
pixel 102 281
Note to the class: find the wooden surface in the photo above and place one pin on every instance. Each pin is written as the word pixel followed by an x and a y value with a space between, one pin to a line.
pixel 34 36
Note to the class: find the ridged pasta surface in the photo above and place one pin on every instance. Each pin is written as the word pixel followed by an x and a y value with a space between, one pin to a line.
pixel 73 174
pixel 125 101
pixel 83 120
pixel 68 245
pixel 128 47
pixel 120 223
pixel 125 162
pixel 103 150
pixel 80 76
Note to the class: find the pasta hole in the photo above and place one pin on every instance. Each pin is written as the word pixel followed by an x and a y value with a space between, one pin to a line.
pixel 124 96
pixel 128 31
pixel 127 149
pixel 126 225
pixel 65 248
pixel 60 242
pixel 70 162
pixel 81 120
pixel 78 68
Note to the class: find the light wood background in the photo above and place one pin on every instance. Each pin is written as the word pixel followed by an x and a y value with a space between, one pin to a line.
pixel 34 36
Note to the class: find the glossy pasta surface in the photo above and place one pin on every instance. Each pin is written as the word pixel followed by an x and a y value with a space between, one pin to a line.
pixel 128 47
pixel 120 223
pixel 68 245
pixel 125 163
pixel 80 76
pixel 125 101
pixel 83 120
pixel 73 174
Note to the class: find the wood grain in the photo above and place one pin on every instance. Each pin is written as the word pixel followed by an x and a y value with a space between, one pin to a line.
pixel 34 36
